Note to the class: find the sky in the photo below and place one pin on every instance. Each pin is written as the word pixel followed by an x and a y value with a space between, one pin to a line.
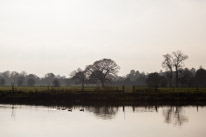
pixel 59 36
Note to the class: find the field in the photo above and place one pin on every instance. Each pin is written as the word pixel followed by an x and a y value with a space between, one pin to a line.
pixel 125 89
pixel 70 89
pixel 105 96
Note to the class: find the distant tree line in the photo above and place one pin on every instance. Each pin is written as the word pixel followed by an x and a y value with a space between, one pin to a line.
pixel 23 79
pixel 104 73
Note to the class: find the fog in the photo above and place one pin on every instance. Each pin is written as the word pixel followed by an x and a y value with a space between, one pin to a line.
pixel 58 36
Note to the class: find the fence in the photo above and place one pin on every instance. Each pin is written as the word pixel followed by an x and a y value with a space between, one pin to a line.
pixel 123 89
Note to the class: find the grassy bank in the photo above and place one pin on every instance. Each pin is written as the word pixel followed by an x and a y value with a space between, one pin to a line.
pixel 107 96
pixel 127 89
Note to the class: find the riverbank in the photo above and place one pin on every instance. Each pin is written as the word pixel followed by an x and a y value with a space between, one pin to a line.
pixel 104 98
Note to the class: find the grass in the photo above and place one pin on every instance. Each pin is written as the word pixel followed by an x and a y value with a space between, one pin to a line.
pixel 128 89
pixel 45 88
pixel 98 95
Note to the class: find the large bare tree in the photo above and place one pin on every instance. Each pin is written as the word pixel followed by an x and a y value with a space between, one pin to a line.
pixel 178 62
pixel 168 64
pixel 103 70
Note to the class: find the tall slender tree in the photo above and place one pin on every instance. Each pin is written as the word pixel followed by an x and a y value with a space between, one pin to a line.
pixel 178 62
pixel 168 64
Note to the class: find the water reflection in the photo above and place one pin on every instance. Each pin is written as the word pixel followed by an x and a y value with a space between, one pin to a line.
pixel 102 121
pixel 12 108
pixel 13 112
pixel 145 109
pixel 172 115
pixel 104 112
pixel 175 115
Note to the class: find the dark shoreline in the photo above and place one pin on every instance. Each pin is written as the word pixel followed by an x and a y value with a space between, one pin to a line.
pixel 65 98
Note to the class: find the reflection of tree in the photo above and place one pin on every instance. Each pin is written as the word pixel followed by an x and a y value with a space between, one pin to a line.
pixel 174 115
pixel 145 109
pixel 13 113
pixel 104 112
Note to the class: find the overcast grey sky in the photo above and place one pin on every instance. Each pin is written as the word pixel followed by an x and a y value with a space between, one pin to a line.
pixel 58 36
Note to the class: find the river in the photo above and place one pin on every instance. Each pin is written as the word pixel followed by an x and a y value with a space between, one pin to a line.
pixel 102 121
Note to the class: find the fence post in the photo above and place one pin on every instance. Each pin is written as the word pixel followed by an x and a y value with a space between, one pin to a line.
pixel 116 88
pixel 12 87
pixel 133 108
pixel 156 88
pixel 133 89
pixel 197 88
pixel 123 88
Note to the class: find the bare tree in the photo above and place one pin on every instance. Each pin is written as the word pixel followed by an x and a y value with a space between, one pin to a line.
pixel 49 78
pixel 31 82
pixel 32 79
pixel 2 81
pixel 13 76
pixel 168 64
pixel 21 78
pixel 178 62
pixel 154 80
pixel 103 70
pixel 79 76
pixel 56 82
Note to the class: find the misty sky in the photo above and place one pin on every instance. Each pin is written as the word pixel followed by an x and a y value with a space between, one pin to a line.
pixel 58 36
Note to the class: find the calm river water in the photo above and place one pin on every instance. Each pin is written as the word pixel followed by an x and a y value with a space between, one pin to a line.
pixel 39 121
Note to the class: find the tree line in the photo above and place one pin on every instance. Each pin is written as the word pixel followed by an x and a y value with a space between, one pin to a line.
pixel 104 72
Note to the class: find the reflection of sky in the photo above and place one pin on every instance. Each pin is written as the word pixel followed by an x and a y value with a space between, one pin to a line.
pixel 52 33
pixel 50 122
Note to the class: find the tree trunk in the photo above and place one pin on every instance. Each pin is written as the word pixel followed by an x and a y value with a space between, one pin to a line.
pixel 83 86
pixel 156 88
pixel 197 88
pixel 102 83
pixel 177 82
pixel 171 77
